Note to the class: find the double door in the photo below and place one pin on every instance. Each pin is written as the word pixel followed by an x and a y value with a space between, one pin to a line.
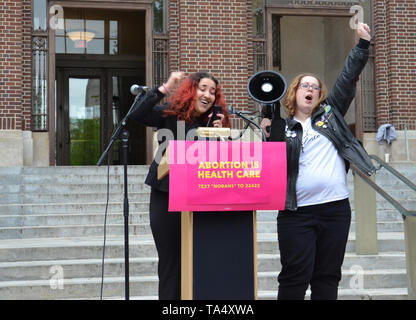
pixel 90 104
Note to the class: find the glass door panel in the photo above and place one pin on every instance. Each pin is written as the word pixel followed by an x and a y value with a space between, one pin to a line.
pixel 84 120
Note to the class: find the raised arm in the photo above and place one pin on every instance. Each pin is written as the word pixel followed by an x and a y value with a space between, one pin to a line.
pixel 150 113
pixel 343 91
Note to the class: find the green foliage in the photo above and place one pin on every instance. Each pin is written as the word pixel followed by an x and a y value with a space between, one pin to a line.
pixel 85 141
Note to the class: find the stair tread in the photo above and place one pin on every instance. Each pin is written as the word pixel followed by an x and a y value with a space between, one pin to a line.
pixel 92 280
pixel 393 254
pixel 265 274
pixel 73 241
pixel 61 262
pixel 348 292
pixel 74 225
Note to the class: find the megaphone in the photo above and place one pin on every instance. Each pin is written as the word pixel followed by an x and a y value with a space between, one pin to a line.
pixel 266 87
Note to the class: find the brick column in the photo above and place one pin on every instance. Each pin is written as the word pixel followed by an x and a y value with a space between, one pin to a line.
pixel 16 144
pixel 11 59
pixel 212 36
pixel 395 62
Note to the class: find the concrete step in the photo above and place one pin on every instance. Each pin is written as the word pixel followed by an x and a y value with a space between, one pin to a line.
pixel 397 193
pixel 74 248
pixel 140 246
pixel 33 232
pixel 371 279
pixel 77 268
pixel 65 208
pixel 382 204
pixel 382 226
pixel 70 219
pixel 80 288
pixel 118 170
pixel 74 178
pixel 58 286
pixel 78 188
pixel 384 215
pixel 351 294
pixel 387 242
pixel 86 268
pixel 389 214
pixel 352 261
pixel 76 198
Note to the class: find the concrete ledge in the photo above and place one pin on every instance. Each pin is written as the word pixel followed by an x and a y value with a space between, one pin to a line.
pixel 40 149
pixel 11 148
pixel 397 149
pixel 27 148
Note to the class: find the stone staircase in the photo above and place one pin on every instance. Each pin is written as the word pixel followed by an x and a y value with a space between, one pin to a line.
pixel 52 226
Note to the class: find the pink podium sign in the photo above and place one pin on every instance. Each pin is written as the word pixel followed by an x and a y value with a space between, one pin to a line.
pixel 226 175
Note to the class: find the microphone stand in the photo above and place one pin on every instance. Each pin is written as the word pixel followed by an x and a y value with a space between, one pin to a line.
pixel 248 120
pixel 122 132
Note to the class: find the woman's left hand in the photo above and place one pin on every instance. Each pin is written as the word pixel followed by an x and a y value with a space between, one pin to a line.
pixel 363 31
pixel 218 123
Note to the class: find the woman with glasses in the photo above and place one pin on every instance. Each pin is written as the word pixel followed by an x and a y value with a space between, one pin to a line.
pixel 313 229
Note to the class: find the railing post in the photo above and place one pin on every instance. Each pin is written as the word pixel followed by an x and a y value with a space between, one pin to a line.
pixel 365 217
pixel 410 240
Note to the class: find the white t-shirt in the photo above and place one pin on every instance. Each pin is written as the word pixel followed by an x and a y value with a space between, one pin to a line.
pixel 322 176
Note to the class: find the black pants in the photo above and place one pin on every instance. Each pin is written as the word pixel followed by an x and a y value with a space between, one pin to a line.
pixel 312 243
pixel 166 230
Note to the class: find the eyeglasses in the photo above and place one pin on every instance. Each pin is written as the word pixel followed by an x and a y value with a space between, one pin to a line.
pixel 306 86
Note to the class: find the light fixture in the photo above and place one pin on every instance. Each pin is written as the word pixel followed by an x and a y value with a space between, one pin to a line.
pixel 76 35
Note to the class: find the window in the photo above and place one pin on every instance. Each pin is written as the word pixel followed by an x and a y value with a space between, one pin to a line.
pixel 159 16
pixel 276 53
pixel 39 67
pixel 160 42
pixel 88 36
pixel 259 41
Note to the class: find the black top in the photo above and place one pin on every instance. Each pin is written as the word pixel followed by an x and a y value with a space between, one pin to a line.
pixel 151 113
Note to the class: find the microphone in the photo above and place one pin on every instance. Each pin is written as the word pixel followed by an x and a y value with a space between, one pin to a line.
pixel 136 89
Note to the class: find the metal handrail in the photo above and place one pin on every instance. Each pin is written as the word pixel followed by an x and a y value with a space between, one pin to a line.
pixel 394 172
pixel 383 193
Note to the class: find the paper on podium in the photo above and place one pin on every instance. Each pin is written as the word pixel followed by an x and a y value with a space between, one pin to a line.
pixel 211 132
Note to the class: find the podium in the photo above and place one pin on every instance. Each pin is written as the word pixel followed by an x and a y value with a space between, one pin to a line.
pixel 218 200
pixel 219 255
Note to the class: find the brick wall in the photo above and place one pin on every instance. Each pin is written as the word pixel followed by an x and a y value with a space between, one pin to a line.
pixel 213 36
pixel 15 57
pixel 395 62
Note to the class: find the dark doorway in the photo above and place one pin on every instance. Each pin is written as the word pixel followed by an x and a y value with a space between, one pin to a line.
pixel 99 55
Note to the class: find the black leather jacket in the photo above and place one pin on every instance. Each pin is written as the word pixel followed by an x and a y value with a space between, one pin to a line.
pixel 328 120
pixel 151 113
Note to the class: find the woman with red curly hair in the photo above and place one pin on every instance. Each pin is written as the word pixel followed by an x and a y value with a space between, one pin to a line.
pixel 192 104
